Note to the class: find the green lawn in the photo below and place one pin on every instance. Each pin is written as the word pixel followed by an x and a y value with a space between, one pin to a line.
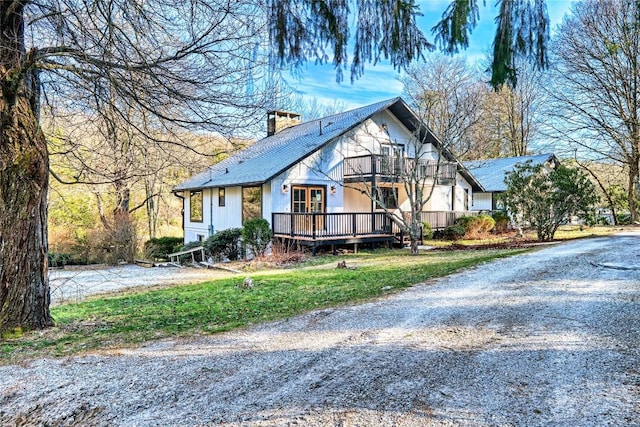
pixel 221 305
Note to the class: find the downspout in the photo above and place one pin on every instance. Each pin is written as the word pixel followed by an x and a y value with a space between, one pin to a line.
pixel 211 212
pixel 181 197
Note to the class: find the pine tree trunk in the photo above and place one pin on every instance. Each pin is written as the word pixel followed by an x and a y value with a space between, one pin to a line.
pixel 24 175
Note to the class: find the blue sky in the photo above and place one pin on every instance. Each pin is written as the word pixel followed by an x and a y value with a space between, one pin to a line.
pixel 380 82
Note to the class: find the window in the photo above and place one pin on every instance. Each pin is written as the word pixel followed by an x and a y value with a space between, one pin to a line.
pixel 391 160
pixel 200 237
pixel 195 206
pixel 466 199
pixel 251 203
pixel 308 199
pixel 221 196
pixel 387 198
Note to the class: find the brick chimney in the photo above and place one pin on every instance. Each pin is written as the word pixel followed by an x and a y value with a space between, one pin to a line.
pixel 279 120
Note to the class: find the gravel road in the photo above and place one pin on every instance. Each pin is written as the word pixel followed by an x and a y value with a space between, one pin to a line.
pixel 548 338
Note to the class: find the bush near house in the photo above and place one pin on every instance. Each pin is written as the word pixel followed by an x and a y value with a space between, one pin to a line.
pixel 257 235
pixel 224 244
pixel 452 232
pixel 544 200
pixel 477 226
pixel 501 221
pixel 427 231
pixel 159 248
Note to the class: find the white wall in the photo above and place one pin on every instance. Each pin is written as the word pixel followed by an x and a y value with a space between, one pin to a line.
pixel 215 217
pixel 460 194
pixel 440 199
pixel 482 202
pixel 194 229
pixel 229 215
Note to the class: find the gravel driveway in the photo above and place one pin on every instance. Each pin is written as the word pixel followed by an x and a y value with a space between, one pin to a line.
pixel 74 284
pixel 540 339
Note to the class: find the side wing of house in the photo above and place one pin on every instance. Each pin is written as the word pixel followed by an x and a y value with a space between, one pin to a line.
pixel 492 172
pixel 209 210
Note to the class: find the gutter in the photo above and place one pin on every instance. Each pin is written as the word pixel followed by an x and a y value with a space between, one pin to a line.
pixel 181 197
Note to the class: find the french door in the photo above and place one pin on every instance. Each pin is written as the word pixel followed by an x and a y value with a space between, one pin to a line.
pixel 309 200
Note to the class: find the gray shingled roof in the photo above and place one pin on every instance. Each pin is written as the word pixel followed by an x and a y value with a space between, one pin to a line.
pixel 274 154
pixel 491 172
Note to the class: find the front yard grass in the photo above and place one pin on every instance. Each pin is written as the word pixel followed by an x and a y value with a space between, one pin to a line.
pixel 130 319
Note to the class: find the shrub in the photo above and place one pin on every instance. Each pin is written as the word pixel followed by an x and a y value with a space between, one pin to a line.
pixel 427 231
pixel 546 199
pixel 501 221
pixel 624 219
pixel 476 226
pixel 468 223
pixel 487 223
pixel 159 248
pixel 57 259
pixel 224 244
pixel 257 235
pixel 453 232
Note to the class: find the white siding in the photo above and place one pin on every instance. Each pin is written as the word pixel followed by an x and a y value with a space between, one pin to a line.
pixel 440 199
pixel 460 203
pixel 267 202
pixel 229 215
pixel 324 168
pixel 194 229
pixel 215 217
pixel 482 202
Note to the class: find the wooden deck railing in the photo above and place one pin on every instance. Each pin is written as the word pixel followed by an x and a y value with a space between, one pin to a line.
pixel 441 219
pixel 331 225
pixel 316 226
pixel 368 166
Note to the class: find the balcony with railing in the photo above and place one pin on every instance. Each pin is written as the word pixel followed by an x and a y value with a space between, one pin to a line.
pixel 379 168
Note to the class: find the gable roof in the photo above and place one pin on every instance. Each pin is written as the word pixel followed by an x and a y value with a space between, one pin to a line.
pixel 274 154
pixel 491 172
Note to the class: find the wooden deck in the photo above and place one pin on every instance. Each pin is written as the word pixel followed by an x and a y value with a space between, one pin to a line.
pixel 323 229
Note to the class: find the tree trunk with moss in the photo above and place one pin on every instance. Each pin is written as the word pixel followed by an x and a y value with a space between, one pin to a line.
pixel 24 286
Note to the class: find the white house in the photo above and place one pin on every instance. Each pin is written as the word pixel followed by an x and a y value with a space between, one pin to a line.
pixel 333 180
pixel 492 172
